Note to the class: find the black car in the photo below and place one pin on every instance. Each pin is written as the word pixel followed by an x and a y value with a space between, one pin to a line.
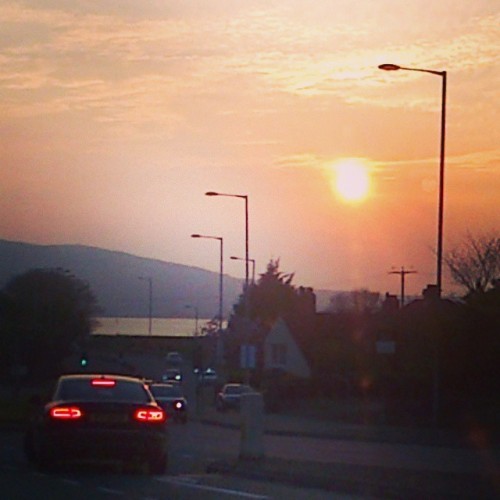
pixel 95 418
pixel 174 358
pixel 171 399
pixel 229 397
pixel 209 376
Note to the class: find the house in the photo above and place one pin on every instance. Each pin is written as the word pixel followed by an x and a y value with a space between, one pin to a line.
pixel 282 352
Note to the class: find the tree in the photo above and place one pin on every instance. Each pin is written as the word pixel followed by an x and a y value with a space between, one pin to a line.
pixel 272 296
pixel 44 314
pixel 475 264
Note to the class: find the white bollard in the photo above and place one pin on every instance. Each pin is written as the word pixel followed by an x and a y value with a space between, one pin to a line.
pixel 252 426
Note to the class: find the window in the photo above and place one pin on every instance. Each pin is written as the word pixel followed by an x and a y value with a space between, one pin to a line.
pixel 81 389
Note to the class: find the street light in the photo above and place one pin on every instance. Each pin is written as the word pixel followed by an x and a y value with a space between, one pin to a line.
pixel 195 316
pixel 247 312
pixel 221 274
pixel 442 74
pixel 253 266
pixel 150 281
pixel 244 197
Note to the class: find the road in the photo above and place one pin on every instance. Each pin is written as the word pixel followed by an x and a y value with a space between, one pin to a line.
pixel 192 447
pixel 364 469
pixel 359 468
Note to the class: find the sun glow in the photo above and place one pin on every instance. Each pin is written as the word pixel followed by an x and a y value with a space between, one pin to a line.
pixel 351 180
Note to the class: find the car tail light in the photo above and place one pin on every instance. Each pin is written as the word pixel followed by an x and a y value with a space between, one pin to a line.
pixel 103 382
pixel 150 415
pixel 66 413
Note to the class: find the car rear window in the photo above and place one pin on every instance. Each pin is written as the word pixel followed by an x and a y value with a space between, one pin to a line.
pixel 237 389
pixel 233 389
pixel 83 390
pixel 172 371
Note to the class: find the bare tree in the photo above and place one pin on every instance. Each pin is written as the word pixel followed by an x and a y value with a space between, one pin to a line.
pixel 475 264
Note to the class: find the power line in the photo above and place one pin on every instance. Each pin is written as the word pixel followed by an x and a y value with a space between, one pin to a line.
pixel 403 272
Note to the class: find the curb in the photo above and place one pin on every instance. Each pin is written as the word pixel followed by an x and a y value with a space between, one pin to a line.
pixel 363 434
pixel 371 482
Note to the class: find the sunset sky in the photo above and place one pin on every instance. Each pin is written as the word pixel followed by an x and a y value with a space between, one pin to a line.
pixel 117 116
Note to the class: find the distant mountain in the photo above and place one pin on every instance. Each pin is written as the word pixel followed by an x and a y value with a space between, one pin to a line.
pixel 114 279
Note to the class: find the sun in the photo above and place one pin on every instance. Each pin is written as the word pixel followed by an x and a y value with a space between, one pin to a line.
pixel 351 180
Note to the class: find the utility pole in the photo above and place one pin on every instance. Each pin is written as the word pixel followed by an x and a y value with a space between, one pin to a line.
pixel 402 272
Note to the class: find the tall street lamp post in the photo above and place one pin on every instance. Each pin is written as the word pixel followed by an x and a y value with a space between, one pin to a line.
pixel 244 197
pixel 221 285
pixel 150 308
pixel 253 266
pixel 247 312
pixel 442 74
pixel 196 315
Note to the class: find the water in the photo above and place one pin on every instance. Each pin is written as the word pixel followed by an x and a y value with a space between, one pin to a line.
pixel 168 327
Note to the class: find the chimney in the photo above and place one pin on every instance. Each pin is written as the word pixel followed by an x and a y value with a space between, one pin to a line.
pixel 431 292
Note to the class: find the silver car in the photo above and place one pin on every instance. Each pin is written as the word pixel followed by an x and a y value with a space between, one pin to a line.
pixel 229 397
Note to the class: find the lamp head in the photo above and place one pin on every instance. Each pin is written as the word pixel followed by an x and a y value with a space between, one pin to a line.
pixel 211 193
pixel 196 236
pixel 389 67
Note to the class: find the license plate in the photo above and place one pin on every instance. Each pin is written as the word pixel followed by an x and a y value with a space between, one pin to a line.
pixel 109 418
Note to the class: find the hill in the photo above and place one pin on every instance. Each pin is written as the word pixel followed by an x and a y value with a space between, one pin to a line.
pixel 114 278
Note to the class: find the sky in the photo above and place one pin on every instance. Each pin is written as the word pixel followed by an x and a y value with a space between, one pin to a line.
pixel 116 117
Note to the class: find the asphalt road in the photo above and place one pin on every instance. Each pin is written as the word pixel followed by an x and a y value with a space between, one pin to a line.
pixel 186 478
pixel 297 468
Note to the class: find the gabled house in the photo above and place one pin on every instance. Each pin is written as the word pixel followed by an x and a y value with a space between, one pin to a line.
pixel 282 352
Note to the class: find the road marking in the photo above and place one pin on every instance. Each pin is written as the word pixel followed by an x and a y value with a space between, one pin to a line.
pixel 213 489
pixel 73 482
pixel 187 478
pixel 109 490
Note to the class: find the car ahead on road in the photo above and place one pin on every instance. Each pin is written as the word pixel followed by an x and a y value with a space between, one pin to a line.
pixel 209 376
pixel 206 377
pixel 174 358
pixel 229 397
pixel 171 399
pixel 172 375
pixel 95 418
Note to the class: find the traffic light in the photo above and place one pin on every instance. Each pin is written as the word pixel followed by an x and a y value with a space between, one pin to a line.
pixel 84 360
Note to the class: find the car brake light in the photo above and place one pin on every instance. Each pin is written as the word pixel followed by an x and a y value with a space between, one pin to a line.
pixel 103 382
pixel 150 415
pixel 66 413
